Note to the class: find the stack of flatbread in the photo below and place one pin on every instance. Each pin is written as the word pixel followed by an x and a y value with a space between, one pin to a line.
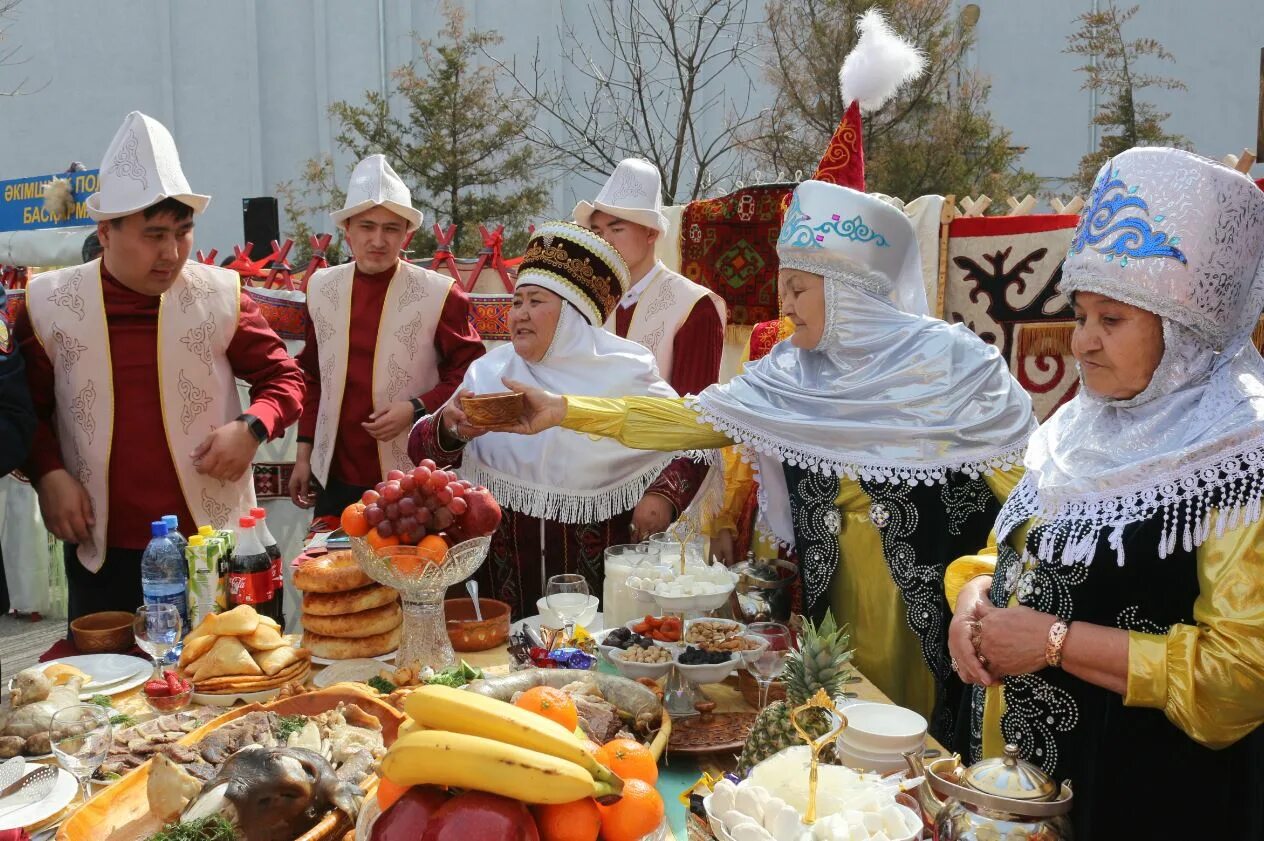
pixel 239 651
pixel 345 613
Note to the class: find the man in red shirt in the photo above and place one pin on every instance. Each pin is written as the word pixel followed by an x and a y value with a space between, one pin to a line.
pixel 388 342
pixel 131 361
pixel 679 321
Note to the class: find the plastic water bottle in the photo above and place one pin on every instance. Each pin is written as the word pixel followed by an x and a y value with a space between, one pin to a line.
pixel 173 531
pixel 278 569
pixel 164 573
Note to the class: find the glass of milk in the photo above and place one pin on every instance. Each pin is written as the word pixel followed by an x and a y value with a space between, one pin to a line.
pixel 618 606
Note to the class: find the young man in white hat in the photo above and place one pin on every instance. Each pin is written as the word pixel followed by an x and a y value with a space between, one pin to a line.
pixel 387 343
pixel 132 361
pixel 679 321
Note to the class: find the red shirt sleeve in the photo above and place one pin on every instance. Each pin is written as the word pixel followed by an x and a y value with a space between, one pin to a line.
pixel 457 344
pixel 45 450
pixel 258 356
pixel 309 362
pixel 697 349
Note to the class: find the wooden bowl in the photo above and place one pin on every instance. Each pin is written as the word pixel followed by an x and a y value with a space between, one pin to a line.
pixel 109 632
pixel 467 633
pixel 492 410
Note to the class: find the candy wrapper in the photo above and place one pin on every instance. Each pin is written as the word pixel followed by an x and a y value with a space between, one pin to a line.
pixel 555 638
pixel 562 658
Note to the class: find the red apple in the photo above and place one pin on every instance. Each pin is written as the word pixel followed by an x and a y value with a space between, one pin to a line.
pixel 407 818
pixel 477 814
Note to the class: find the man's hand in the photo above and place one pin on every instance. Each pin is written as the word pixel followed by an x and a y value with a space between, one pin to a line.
pixel 301 479
pixel 541 410
pixel 226 453
pixel 391 422
pixel 651 515
pixel 65 506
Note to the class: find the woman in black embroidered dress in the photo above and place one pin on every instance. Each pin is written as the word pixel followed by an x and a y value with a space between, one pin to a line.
pixel 1117 634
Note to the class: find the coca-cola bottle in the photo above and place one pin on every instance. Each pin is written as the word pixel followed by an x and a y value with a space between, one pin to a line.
pixel 250 571
pixel 278 570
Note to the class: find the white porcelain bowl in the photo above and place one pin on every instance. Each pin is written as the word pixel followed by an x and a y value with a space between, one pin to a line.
pixel 883 729
pixel 738 627
pixel 636 671
pixel 551 620
pixel 863 761
pixel 670 646
pixel 706 672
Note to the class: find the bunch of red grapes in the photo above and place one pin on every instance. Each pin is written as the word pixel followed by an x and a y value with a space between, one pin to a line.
pixel 408 506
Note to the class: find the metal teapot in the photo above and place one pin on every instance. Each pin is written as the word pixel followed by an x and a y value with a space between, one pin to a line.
pixel 763 589
pixel 1005 799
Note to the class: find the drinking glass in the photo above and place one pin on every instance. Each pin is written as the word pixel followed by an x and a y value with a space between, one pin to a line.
pixel 80 737
pixel 157 630
pixel 768 665
pixel 567 596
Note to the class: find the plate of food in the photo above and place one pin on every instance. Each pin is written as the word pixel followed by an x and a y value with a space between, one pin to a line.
pixel 240 654
pixel 35 694
pixel 64 790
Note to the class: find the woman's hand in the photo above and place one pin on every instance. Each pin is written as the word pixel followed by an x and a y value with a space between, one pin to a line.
pixel 970 603
pixel 541 410
pixel 654 513
pixel 453 422
pixel 1012 640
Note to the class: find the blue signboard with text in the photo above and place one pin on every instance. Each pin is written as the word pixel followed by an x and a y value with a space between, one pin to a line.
pixel 22 201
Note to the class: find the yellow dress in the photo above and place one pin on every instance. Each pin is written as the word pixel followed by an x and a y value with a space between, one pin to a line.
pixel 862 593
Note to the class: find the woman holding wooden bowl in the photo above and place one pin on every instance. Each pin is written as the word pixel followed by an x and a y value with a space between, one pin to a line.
pixel 566 496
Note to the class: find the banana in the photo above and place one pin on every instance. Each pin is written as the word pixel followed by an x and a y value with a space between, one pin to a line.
pixel 437 757
pixel 444 708
pixel 408 725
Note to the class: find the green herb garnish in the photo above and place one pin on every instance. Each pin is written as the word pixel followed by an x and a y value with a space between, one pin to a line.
pixel 457 676
pixel 102 700
pixel 288 725
pixel 210 828
pixel 381 684
pixel 122 720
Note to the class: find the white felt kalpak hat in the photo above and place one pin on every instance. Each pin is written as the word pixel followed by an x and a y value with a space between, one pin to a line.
pixel 633 192
pixel 141 167
pixel 375 184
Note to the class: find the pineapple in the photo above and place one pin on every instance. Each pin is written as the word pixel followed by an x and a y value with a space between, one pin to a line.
pixel 822 662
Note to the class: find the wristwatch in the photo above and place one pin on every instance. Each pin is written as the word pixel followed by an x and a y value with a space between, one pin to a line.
pixel 255 426
pixel 1053 648
pixel 419 409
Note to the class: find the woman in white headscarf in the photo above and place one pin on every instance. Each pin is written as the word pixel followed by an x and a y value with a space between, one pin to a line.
pixel 1119 624
pixel 566 496
pixel 882 437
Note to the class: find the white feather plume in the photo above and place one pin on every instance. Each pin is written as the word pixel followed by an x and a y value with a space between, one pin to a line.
pixel 59 199
pixel 879 65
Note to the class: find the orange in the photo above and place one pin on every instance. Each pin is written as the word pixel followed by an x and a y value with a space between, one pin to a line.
pixel 629 759
pixel 575 821
pixel 388 793
pixel 433 548
pixel 551 703
pixel 407 563
pixel 374 539
pixel 353 521
pixel 638 813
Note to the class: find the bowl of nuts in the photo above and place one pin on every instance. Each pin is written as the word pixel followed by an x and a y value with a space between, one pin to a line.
pixel 705 633
pixel 637 662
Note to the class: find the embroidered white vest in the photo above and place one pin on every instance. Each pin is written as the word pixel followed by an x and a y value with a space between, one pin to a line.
pixel 197 318
pixel 404 365
pixel 661 310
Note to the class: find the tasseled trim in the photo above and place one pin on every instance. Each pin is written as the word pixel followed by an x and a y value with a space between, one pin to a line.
pixel 560 504
pixel 821 461
pixel 1045 339
pixel 1221 494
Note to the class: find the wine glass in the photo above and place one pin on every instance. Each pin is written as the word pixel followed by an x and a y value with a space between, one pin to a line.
pixel 80 737
pixel 567 596
pixel 768 665
pixel 157 630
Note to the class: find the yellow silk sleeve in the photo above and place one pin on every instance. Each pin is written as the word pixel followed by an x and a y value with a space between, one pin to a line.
pixel 739 481
pixel 643 423
pixel 1208 678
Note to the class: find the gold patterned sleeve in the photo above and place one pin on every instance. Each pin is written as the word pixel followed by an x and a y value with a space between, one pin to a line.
pixel 1208 678
pixel 643 423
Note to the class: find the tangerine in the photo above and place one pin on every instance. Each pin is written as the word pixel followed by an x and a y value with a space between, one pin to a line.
pixel 638 813
pixel 433 548
pixel 629 759
pixel 553 704
pixel 575 821
pixel 353 521
pixel 408 563
pixel 374 538
pixel 388 793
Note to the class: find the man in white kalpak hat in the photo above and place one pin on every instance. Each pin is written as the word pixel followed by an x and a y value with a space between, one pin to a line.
pixel 387 343
pixel 132 360
pixel 679 321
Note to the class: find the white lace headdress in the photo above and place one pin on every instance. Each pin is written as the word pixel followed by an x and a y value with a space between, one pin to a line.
pixel 1182 237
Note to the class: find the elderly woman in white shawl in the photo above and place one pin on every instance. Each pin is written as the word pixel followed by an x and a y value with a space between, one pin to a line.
pixel 566 496
pixel 883 438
